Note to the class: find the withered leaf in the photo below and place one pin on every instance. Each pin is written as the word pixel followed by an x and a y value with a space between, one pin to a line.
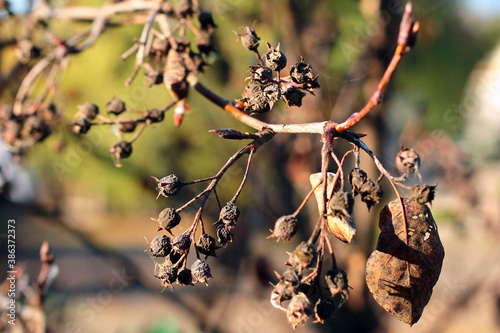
pixel 406 264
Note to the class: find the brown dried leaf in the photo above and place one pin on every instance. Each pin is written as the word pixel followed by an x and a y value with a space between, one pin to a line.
pixel 406 264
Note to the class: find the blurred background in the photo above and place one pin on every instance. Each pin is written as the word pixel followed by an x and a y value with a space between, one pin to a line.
pixel 443 100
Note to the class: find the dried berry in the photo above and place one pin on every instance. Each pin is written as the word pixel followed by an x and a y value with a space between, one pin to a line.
pixel 298 310
pixel 323 309
pixel 185 278
pixel 168 219
pixel 282 291
pixel 284 228
pixel 121 149
pixel 249 39
pixel 168 185
pixel 302 257
pixel 184 8
pixel 336 279
pixel 88 110
pixel 26 50
pixel 160 46
pixel 341 204
pixel 205 42
pixel 407 161
pixel 261 98
pixel 206 245
pixel 206 21
pixel 127 127
pixel 274 58
pixel 194 62
pixel 261 74
pixel 229 214
pixel 293 97
pixel 80 125
pixel 181 243
pixel 36 128
pixel 371 193
pixel 166 272
pixel 357 178
pixel 302 72
pixel 201 271
pixel 175 256
pixel 153 77
pixel 224 235
pixel 423 193
pixel 115 106
pixel 155 115
pixel 160 246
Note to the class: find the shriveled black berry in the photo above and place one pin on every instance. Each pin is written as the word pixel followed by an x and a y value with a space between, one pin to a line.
pixel 284 228
pixel 302 72
pixel 184 8
pixel 121 149
pixel 160 246
pixel 224 235
pixel 423 193
pixel 260 98
pixel 115 106
pixel 204 42
pixel 201 271
pixel 249 39
pixel 160 46
pixel 153 77
pixel 274 58
pixel 185 278
pixel 357 178
pixel 89 110
pixel 407 161
pixel 341 204
pixel 261 74
pixel 206 245
pixel 229 214
pixel 371 193
pixel 323 309
pixel 181 243
pixel 302 257
pixel 168 219
pixel 299 310
pixel 127 127
pixel 36 128
pixel 206 21
pixel 168 185
pixel 166 272
pixel 293 97
pixel 336 279
pixel 155 115
pixel 80 125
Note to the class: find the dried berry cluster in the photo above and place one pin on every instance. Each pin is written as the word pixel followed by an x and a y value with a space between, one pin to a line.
pixel 176 250
pixel 266 85
pixel 32 126
pixel 167 58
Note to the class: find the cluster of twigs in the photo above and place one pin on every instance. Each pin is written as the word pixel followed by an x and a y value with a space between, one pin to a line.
pixel 165 53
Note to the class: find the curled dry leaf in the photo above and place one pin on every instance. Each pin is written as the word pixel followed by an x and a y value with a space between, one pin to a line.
pixel 340 226
pixel 406 264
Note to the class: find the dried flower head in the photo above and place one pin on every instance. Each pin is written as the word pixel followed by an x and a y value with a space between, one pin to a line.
pixel 371 193
pixel 357 178
pixel 181 243
pixel 341 204
pixel 407 161
pixel 206 245
pixel 185 278
pixel 336 279
pixel 224 235
pixel 121 149
pixel 423 193
pixel 302 257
